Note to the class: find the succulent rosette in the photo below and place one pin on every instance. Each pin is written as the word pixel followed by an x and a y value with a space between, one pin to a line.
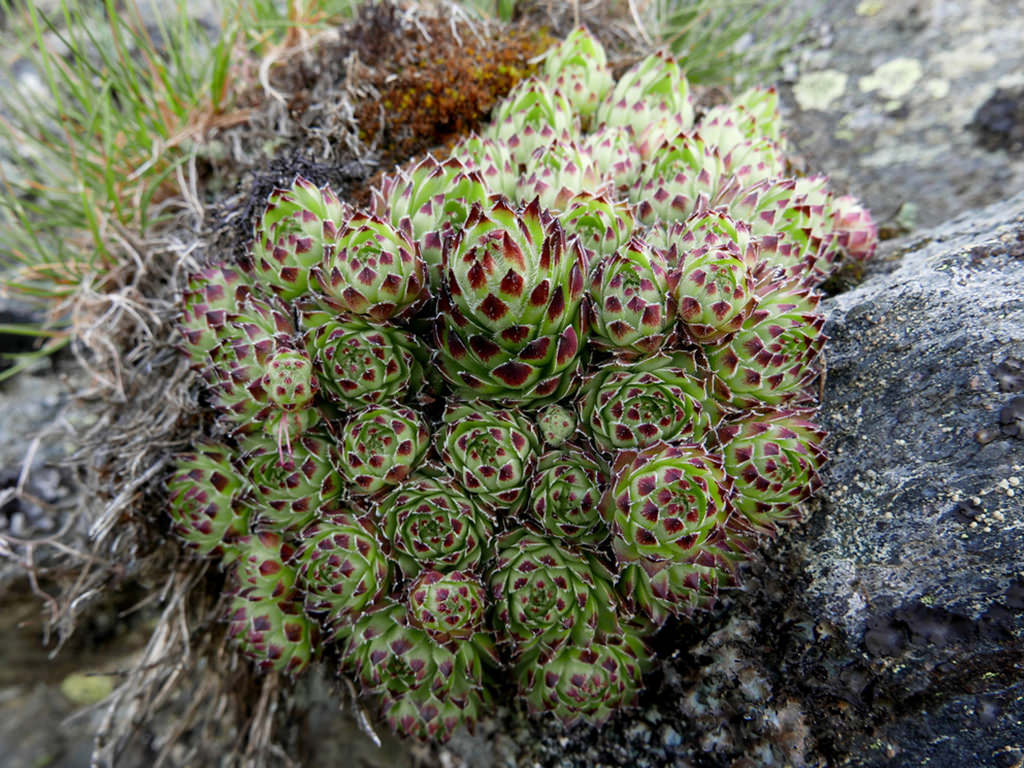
pixel 433 523
pixel 746 154
pixel 666 502
pixel 602 223
pixel 292 235
pixel 260 566
pixel 210 297
pixel 492 452
pixel 633 311
pixel 342 565
pixel 774 357
pixel 556 173
pixel 372 269
pixel 274 633
pixel 637 404
pixel 715 289
pixel 589 682
pixel 579 69
pixel 435 197
pixel 614 153
pixel 567 494
pixel 546 595
pixel 533 115
pixel 510 324
pixel 360 363
pixel 427 689
pixel 653 89
pixel 856 230
pixel 556 424
pixel 492 160
pixel 449 607
pixel 204 493
pixel 773 458
pixel 683 174
pixel 288 489
pixel 380 446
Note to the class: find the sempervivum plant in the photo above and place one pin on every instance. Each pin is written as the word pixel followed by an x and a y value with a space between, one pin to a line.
pixel 543 399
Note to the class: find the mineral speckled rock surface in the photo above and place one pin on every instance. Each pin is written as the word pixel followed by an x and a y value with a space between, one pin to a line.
pixel 889 630
pixel 881 94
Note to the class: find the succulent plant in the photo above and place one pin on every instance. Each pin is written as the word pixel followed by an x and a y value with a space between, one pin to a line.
pixel 634 304
pixel 204 494
pixel 579 69
pixel 546 595
pixel 510 324
pixel 586 682
pixel 546 393
pixel 567 494
pixel 372 269
pixel 773 458
pixel 291 238
pixel 359 363
pixel 637 404
pixel 433 523
pixel 343 566
pixel 493 453
pixel 380 446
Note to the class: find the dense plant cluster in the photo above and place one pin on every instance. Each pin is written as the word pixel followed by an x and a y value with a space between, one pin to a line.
pixel 539 397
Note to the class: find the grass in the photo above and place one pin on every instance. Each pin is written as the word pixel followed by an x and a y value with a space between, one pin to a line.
pixel 92 141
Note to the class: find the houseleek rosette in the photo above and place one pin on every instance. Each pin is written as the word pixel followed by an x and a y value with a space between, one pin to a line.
pixel 652 90
pixel 492 452
pixel 578 68
pixel 287 490
pixel 372 269
pixel 492 160
pixel 556 424
pixel 210 297
pixel 291 237
pixel 773 457
pixel 774 357
pixel 558 172
pixel 204 493
pixel 634 305
pixel 435 198
pixel 260 565
pixel 359 363
pixel 602 223
pixel 380 446
pixel 567 494
pixel 614 153
pixel 588 682
pixel 427 689
pixel 450 607
pixel 433 523
pixel 343 567
pixel 273 632
pixel 715 289
pixel 509 325
pixel 637 404
pixel 533 115
pixel 683 174
pixel 546 595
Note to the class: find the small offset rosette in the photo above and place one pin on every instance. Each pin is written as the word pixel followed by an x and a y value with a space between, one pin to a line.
pixel 492 452
pixel 372 269
pixel 547 595
pixel 653 90
pixel 433 524
pixel 533 115
pixel 380 446
pixel 343 567
pixel 578 68
pixel 556 173
pixel 450 607
pixel 633 307
pixel 567 494
pixel 210 297
pixel 602 223
pixel 773 457
pixel 637 404
pixel 274 633
pixel 682 175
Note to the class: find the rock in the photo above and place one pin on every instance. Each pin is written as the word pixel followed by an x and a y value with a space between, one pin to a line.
pixel 879 96
pixel 889 630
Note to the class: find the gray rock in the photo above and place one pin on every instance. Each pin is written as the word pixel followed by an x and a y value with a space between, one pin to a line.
pixel 880 93
pixel 889 630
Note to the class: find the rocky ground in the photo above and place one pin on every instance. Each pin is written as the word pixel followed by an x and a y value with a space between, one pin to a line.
pixel 888 630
